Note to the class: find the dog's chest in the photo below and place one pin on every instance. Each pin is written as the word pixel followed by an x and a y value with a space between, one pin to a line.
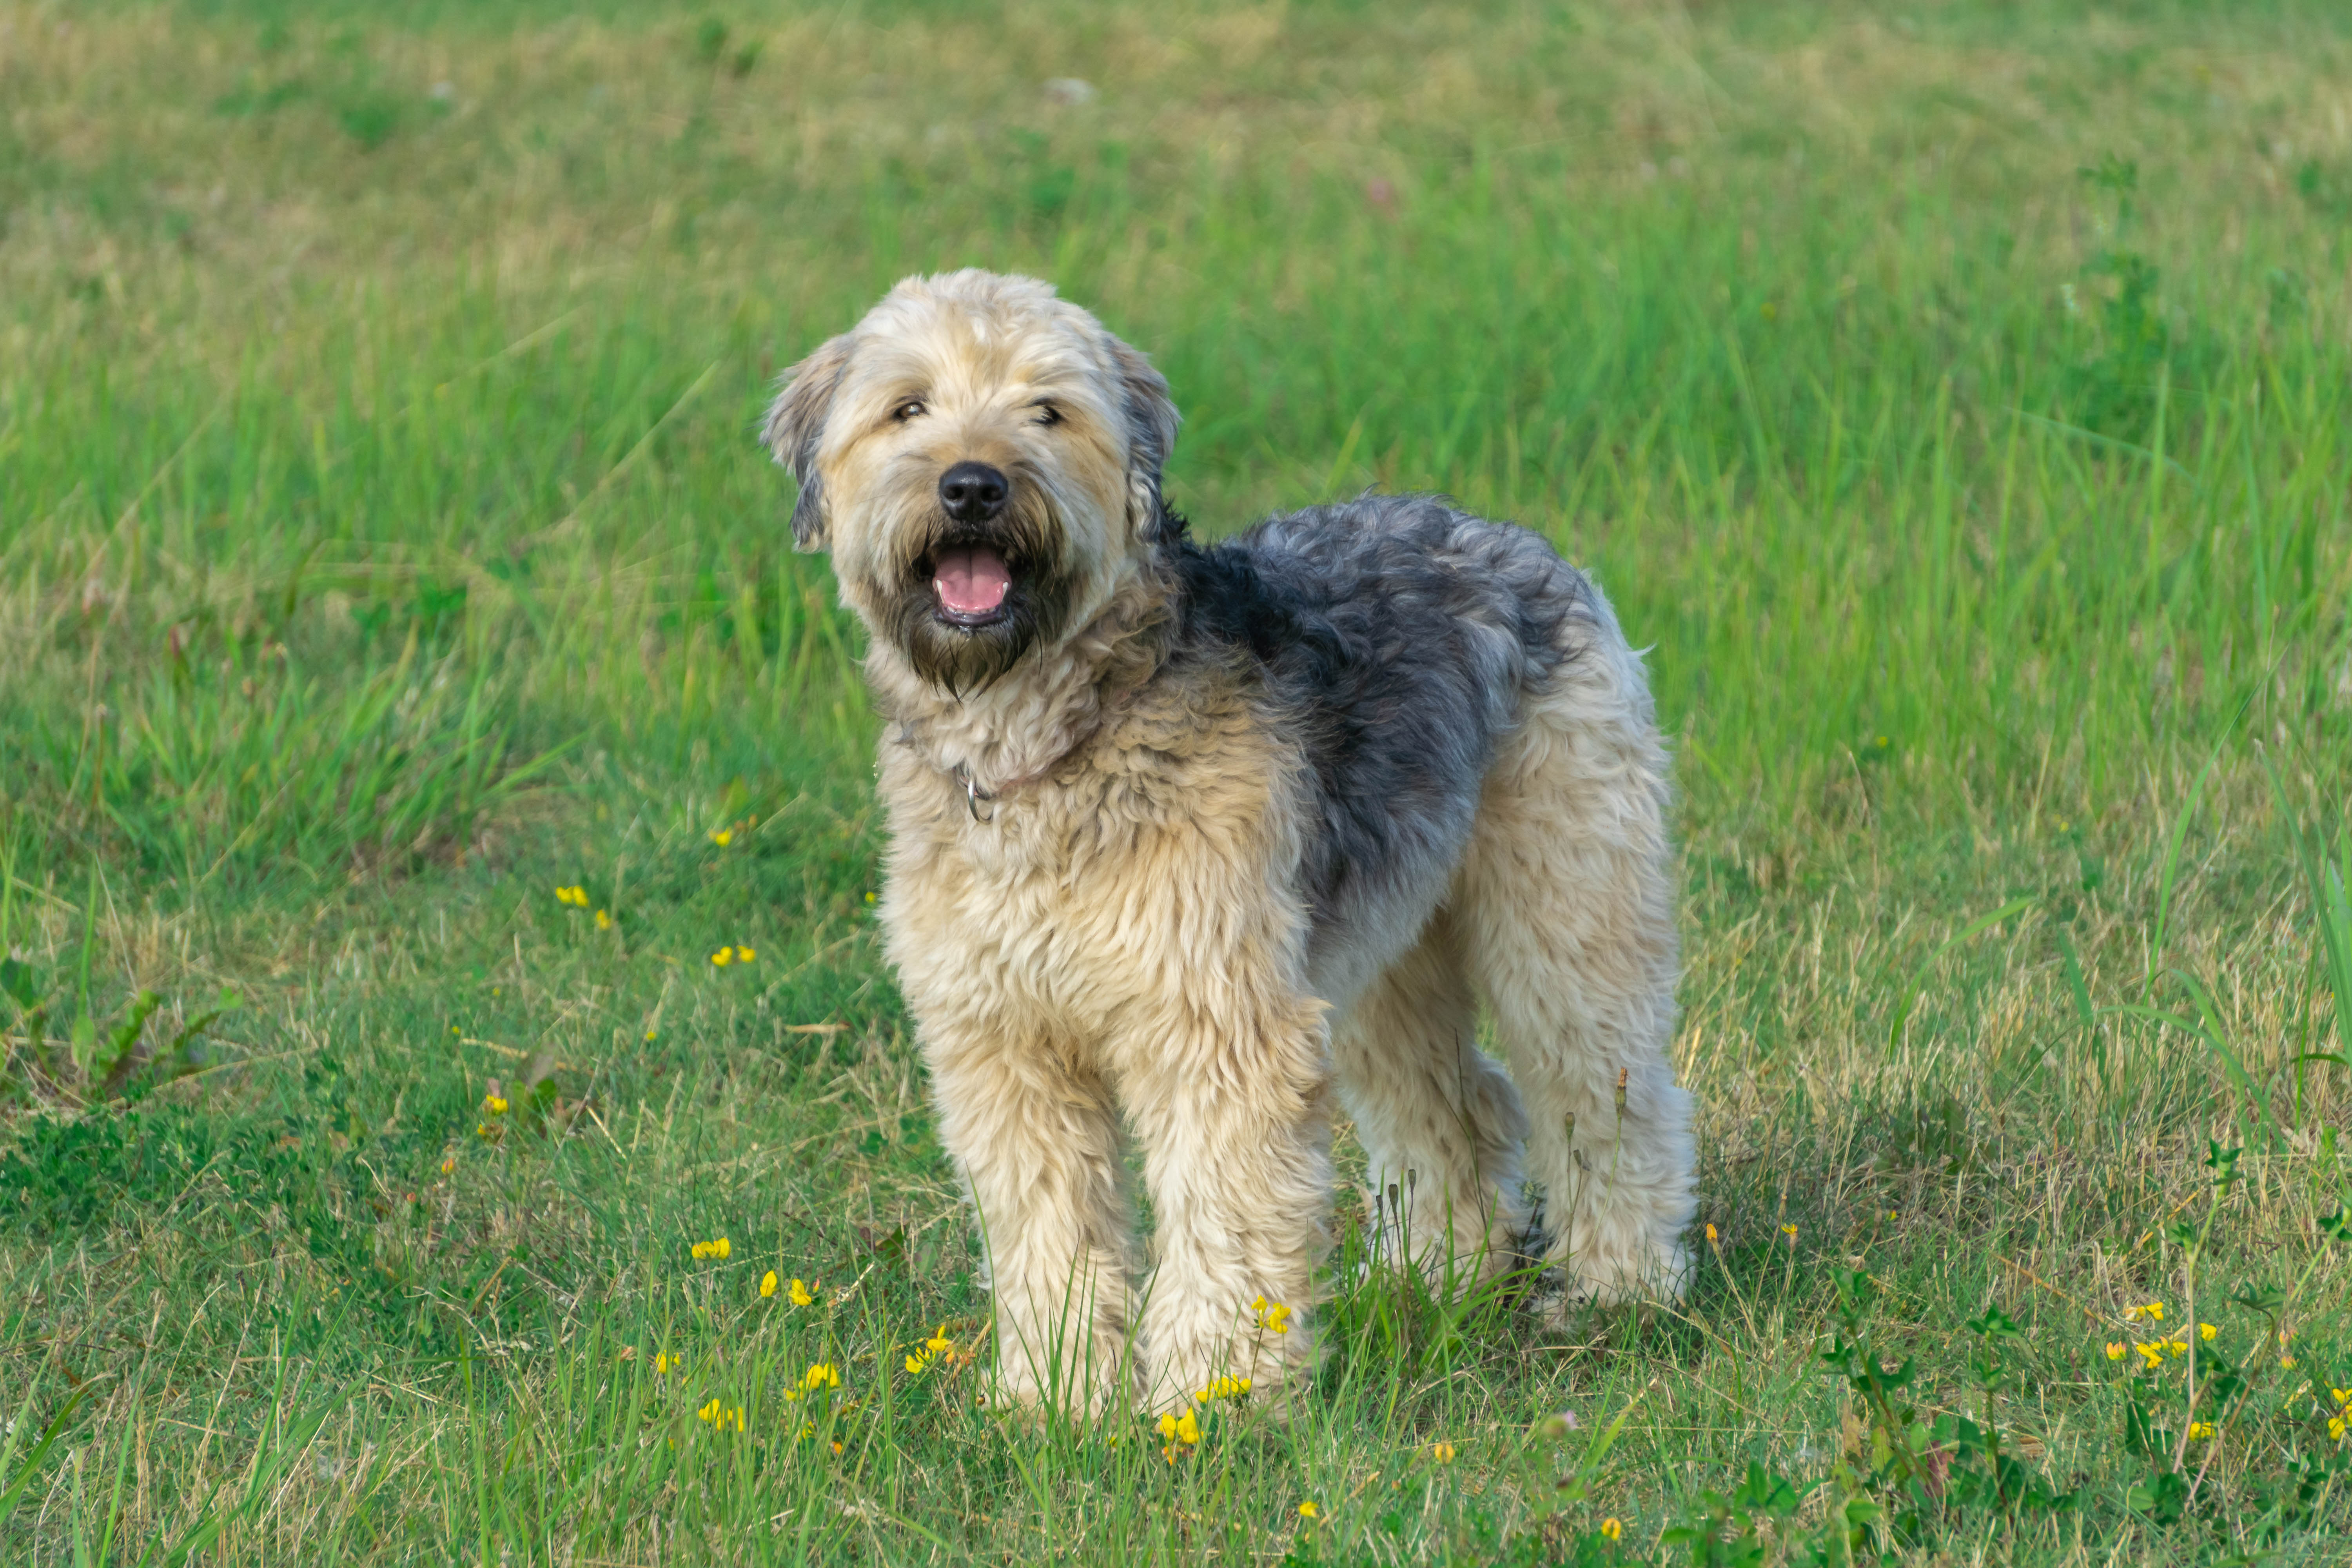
pixel 1036 909
pixel 1081 897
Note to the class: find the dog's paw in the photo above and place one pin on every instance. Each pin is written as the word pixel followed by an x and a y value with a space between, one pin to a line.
pixel 1653 1274
pixel 1102 1389
pixel 1260 1366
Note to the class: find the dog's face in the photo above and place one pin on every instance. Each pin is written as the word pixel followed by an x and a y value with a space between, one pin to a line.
pixel 983 460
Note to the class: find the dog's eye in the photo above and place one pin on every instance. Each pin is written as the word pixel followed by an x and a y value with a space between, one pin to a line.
pixel 911 409
pixel 1048 415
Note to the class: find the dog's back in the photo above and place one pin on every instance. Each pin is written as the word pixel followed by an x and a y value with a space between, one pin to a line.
pixel 1397 638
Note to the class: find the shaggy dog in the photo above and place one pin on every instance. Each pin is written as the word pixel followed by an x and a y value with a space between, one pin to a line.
pixel 1186 837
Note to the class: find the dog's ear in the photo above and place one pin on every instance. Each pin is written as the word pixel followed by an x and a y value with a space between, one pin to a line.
pixel 1151 420
pixel 796 423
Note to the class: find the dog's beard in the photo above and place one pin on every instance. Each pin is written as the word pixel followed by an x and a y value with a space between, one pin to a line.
pixel 964 658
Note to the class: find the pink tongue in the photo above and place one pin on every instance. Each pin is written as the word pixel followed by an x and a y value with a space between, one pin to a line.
pixel 972 581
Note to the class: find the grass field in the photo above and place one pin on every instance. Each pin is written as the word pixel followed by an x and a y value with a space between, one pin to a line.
pixel 1953 396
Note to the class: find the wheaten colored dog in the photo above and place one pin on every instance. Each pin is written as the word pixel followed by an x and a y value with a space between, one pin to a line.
pixel 1192 837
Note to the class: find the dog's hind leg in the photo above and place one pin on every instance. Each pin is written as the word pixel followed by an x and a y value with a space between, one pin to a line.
pixel 1438 1119
pixel 1037 1142
pixel 1565 907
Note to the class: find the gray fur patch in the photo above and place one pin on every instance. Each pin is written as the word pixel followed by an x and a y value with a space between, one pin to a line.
pixel 1396 635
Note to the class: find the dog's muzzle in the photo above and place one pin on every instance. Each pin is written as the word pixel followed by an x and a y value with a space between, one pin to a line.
pixel 971 577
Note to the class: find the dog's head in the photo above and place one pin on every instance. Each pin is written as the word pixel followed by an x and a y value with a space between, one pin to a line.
pixel 982 459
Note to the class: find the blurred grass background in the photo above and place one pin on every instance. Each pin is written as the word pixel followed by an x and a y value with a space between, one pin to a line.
pixel 1949 394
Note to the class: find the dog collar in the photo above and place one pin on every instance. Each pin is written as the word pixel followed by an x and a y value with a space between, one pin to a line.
pixel 972 794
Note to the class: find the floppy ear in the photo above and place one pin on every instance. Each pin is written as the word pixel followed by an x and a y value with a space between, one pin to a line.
pixel 796 423
pixel 1151 420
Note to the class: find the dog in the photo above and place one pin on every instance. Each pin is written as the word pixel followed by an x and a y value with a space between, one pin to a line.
pixel 1187 840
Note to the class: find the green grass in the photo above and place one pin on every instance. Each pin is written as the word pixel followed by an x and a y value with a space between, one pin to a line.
pixel 1951 398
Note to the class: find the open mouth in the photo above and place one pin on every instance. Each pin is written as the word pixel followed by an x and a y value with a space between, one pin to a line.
pixel 969 583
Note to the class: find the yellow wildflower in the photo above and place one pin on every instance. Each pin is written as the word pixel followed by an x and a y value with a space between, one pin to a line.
pixel 1271 1315
pixel 2201 1428
pixel 2336 1428
pixel 2343 1395
pixel 1611 1528
pixel 663 1363
pixel 2151 1351
pixel 448 1164
pixel 2206 1332
pixel 2116 1351
pixel 1222 1388
pixel 603 921
pixel 744 954
pixel 1790 1232
pixel 1308 1510
pixel 1710 1236
pixel 721 1417
pixel 768 1283
pixel 920 1361
pixel 722 836
pixel 2153 1312
pixel 718 1249
pixel 1185 1428
pixel 802 1293
pixel 495 1104
pixel 1441 1452
pixel 722 958
pixel 820 1374
pixel 2177 1347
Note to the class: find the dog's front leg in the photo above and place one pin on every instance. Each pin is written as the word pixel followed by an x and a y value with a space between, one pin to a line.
pixel 1037 1142
pixel 1233 1114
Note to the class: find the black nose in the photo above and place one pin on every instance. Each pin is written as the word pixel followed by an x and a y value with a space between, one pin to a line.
pixel 973 492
